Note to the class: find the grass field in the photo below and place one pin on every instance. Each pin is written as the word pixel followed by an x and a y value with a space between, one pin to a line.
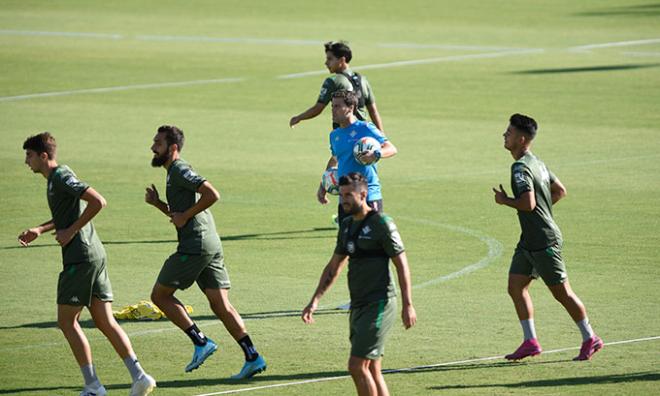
pixel 447 75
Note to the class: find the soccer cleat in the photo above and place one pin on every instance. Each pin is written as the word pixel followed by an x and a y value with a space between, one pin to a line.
pixel 143 385
pixel 251 368
pixel 94 390
pixel 589 347
pixel 529 347
pixel 200 354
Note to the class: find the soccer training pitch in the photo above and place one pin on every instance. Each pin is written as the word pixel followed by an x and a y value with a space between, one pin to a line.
pixel 102 76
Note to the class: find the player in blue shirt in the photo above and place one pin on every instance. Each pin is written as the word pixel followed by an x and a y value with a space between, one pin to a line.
pixel 342 141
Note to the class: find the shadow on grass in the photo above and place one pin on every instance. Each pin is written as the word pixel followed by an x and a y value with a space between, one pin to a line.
pixel 191 383
pixel 266 236
pixel 572 381
pixel 640 10
pixel 89 324
pixel 588 69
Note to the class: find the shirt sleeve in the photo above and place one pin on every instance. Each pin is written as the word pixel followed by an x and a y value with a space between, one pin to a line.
pixel 70 184
pixel 369 97
pixel 376 133
pixel 391 239
pixel 332 147
pixel 552 176
pixel 187 178
pixel 327 89
pixel 339 247
pixel 521 180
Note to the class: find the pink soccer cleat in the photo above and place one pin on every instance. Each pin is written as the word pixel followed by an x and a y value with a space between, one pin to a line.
pixel 589 347
pixel 529 347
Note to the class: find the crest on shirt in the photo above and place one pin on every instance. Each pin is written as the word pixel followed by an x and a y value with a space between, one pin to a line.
pixel 353 133
pixel 350 246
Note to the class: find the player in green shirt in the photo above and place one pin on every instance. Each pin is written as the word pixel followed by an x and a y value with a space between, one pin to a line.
pixel 199 257
pixel 338 55
pixel 84 280
pixel 367 241
pixel 535 190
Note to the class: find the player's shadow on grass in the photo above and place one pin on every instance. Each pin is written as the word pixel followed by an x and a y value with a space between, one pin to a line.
pixel 587 69
pixel 89 324
pixel 265 236
pixel 640 10
pixel 644 376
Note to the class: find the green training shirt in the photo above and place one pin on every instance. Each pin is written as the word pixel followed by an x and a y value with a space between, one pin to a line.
pixel 198 235
pixel 340 82
pixel 63 193
pixel 538 226
pixel 370 244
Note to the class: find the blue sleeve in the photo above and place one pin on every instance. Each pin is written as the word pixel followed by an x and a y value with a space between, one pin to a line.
pixel 332 147
pixel 376 133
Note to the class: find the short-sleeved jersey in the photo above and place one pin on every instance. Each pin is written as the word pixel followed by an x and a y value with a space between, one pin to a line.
pixel 63 192
pixel 198 235
pixel 538 226
pixel 340 82
pixel 342 141
pixel 370 244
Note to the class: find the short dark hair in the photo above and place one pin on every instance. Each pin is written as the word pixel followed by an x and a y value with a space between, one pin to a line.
pixel 524 124
pixel 355 180
pixel 42 143
pixel 339 49
pixel 173 135
pixel 349 97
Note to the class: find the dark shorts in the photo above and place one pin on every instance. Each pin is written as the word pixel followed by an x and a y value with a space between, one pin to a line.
pixel 546 263
pixel 369 326
pixel 78 282
pixel 180 271
pixel 376 205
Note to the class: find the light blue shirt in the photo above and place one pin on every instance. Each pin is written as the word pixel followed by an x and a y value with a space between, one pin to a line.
pixel 342 141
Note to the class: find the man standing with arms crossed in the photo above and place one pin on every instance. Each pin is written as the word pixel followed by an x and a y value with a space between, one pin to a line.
pixel 199 255
pixel 367 240
pixel 338 55
pixel 538 253
pixel 84 280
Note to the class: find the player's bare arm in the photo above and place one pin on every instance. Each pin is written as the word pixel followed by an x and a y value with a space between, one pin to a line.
pixel 526 202
pixel 26 237
pixel 328 278
pixel 408 314
pixel 208 196
pixel 557 190
pixel 152 197
pixel 95 202
pixel 387 150
pixel 375 116
pixel 307 114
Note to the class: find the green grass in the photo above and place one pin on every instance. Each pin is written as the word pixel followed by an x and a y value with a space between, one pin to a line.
pixel 598 116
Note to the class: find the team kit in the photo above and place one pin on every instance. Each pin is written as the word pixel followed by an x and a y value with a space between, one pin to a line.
pixel 367 241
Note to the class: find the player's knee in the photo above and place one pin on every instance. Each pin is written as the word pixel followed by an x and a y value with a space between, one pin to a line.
pixel 357 367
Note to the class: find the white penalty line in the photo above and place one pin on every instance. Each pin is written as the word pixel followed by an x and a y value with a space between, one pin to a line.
pixel 121 88
pixel 414 62
pixel 416 368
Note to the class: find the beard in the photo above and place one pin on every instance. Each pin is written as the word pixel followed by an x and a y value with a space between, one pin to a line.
pixel 350 209
pixel 159 160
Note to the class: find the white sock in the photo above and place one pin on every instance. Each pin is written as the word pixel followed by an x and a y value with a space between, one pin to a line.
pixel 529 331
pixel 89 374
pixel 133 367
pixel 585 329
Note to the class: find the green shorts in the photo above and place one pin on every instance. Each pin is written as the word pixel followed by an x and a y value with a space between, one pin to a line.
pixel 370 325
pixel 78 282
pixel 180 271
pixel 546 263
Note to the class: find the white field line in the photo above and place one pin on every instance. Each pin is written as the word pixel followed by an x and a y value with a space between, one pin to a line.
pixel 494 252
pixel 121 88
pixel 589 47
pixel 104 36
pixel 414 62
pixel 641 53
pixel 447 47
pixel 239 40
pixel 417 368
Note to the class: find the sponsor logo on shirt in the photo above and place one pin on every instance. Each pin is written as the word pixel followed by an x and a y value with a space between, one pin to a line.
pixel 350 246
pixel 323 91
pixel 189 174
pixel 71 181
